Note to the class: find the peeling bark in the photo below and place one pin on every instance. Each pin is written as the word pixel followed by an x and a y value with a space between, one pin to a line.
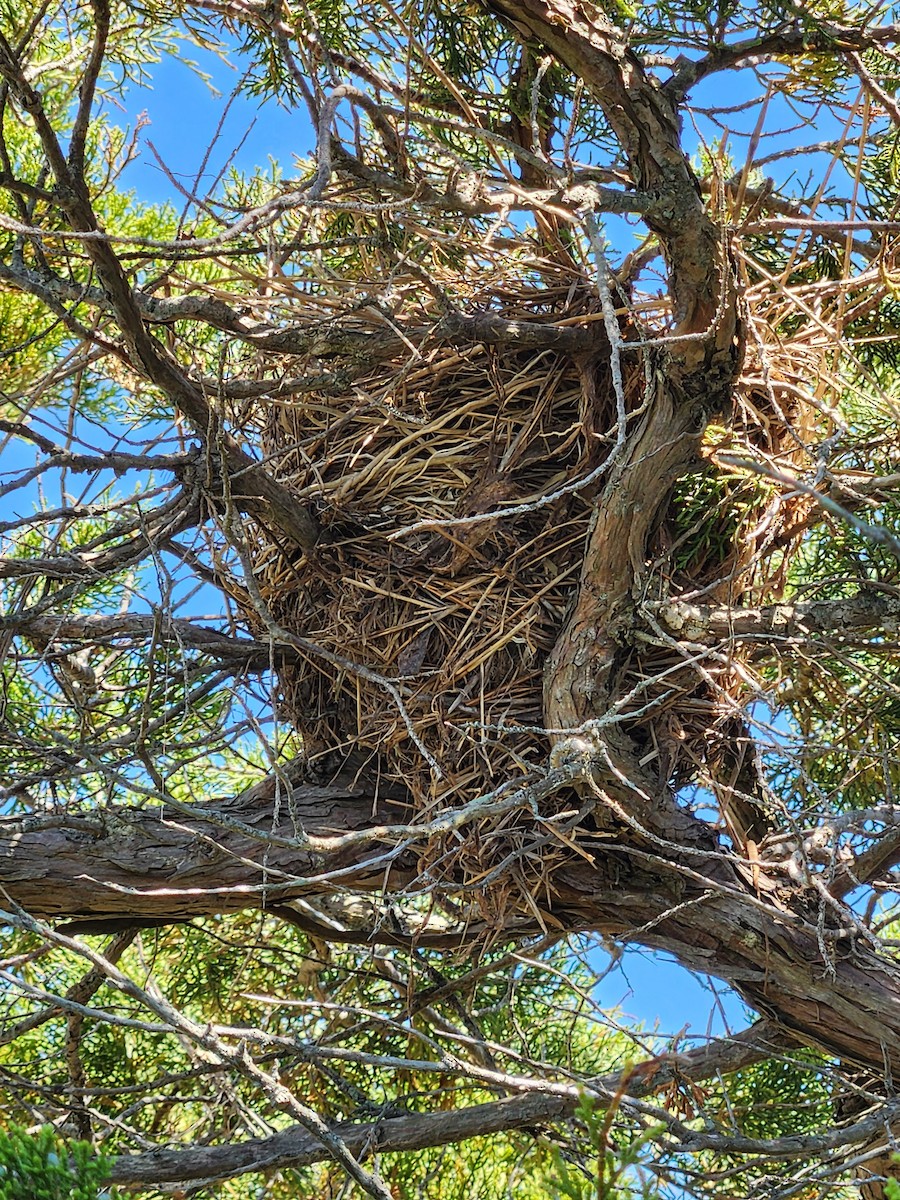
pixel 159 864
pixel 692 905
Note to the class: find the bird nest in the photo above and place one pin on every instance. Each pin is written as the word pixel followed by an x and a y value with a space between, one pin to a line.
pixel 425 616
pixel 431 629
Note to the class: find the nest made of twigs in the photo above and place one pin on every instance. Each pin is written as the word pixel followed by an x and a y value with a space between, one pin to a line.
pixel 427 638
pixel 458 618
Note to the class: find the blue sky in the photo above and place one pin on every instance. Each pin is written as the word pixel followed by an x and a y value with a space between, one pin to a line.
pixel 184 111
pixel 655 990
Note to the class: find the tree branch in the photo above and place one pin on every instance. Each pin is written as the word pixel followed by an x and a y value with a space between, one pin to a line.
pixel 793 39
pixel 776 623
pixel 174 632
pixel 418 1131
pixel 646 124
pixel 317 338
pixel 256 490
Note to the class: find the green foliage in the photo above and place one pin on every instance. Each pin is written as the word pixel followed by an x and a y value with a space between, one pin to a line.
pixel 44 1166
pixel 777 1098
pixel 469 45
pixel 709 510
pixel 604 1165
pixel 117 720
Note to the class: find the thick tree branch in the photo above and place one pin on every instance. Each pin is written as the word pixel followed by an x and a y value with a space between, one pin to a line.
pixel 646 124
pixel 157 864
pixel 775 624
pixel 295 1147
pixel 132 863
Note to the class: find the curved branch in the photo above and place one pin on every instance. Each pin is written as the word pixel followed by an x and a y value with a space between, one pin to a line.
pixel 824 984
pixel 796 38
pixel 646 125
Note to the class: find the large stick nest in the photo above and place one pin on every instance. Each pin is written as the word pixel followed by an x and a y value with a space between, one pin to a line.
pixel 457 618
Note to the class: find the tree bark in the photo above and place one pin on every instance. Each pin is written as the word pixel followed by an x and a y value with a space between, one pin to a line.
pixel 172 864
pixel 417 1131
pixel 824 984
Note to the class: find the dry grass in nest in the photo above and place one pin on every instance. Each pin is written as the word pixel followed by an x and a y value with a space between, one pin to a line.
pixel 460 619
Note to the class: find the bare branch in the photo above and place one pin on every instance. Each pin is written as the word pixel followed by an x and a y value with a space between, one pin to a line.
pixel 776 624
pixel 295 1147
